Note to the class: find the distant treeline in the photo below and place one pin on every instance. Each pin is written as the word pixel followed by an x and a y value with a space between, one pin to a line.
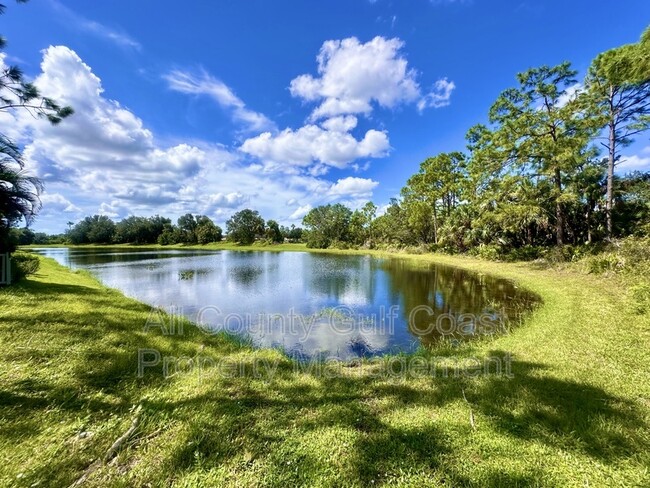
pixel 244 227
pixel 452 223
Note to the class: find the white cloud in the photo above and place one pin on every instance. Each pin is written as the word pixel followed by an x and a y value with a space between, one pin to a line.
pixel 204 84
pixel 439 96
pixel 382 209
pixel 112 210
pixel 230 200
pixel 313 144
pixel 570 94
pixel 358 168
pixel 353 76
pixel 353 187
pixel 103 148
pixel 300 212
pixel 98 123
pixel 634 163
pixel 340 124
pixel 71 18
pixel 58 203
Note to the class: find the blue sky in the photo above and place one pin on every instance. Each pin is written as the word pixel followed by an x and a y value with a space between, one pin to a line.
pixel 211 107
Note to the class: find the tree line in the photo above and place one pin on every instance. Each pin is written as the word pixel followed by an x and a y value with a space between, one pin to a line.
pixel 243 227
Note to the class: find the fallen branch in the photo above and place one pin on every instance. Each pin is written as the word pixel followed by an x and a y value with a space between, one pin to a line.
pixel 112 451
pixel 139 440
pixel 117 445
pixel 89 470
pixel 471 413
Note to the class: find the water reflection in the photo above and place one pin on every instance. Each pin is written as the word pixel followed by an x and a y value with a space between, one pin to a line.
pixel 448 301
pixel 311 304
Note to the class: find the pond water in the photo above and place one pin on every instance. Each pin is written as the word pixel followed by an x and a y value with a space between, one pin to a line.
pixel 311 305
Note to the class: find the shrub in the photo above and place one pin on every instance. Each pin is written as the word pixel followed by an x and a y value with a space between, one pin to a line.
pixel 584 250
pixel 604 263
pixel 630 259
pixel 342 245
pixel 489 252
pixel 525 253
pixel 317 241
pixel 23 265
pixel 635 253
pixel 420 249
pixel 558 254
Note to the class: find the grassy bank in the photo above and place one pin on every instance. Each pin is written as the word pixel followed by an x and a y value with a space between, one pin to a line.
pixel 575 410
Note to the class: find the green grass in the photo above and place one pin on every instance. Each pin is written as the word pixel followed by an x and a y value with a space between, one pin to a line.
pixel 575 411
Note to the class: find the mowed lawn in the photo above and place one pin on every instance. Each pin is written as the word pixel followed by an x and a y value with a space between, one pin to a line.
pixel 575 410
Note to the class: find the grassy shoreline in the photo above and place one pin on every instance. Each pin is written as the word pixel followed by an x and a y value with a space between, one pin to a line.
pixel 576 410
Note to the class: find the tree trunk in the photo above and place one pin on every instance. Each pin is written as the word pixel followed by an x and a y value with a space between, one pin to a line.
pixel 435 225
pixel 590 207
pixel 609 203
pixel 559 212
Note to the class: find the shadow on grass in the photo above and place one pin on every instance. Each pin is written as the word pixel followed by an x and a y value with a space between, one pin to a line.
pixel 530 406
pixel 92 349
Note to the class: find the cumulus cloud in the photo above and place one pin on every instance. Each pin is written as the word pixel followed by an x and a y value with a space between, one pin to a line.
pixel 314 144
pixel 340 124
pixel 204 84
pixel 103 148
pixel 219 203
pixel 353 187
pixel 112 210
pixel 353 76
pixel 634 162
pixel 231 200
pixel 358 168
pixel 55 202
pixel 300 212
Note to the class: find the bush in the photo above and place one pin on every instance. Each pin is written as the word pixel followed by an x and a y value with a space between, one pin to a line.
pixel 630 259
pixel 488 252
pixel 420 249
pixel 607 262
pixel 342 245
pixel 559 254
pixel 635 253
pixel 525 253
pixel 316 240
pixel 23 265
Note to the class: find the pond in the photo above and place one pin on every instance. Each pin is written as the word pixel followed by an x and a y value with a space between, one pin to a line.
pixel 311 305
